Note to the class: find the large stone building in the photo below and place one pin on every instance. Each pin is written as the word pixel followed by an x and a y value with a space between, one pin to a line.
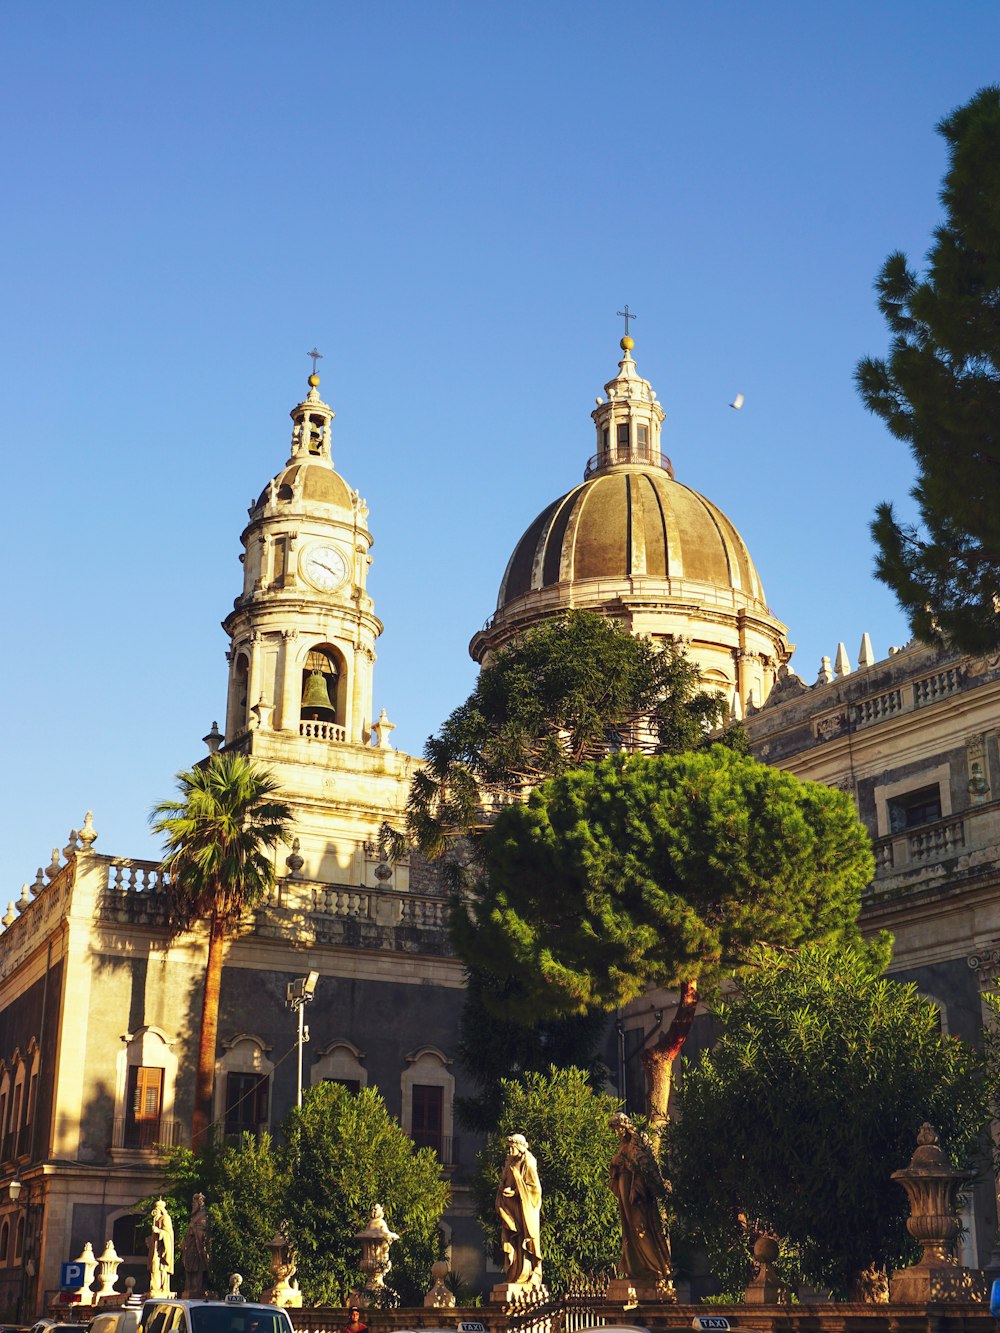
pixel 98 1003
pixel 99 1006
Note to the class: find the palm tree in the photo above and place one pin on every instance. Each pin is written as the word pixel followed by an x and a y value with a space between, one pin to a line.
pixel 218 837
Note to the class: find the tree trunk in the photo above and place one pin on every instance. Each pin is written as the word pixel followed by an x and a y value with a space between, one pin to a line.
pixel 658 1060
pixel 204 1083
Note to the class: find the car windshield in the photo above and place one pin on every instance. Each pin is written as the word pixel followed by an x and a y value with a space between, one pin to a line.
pixel 237 1319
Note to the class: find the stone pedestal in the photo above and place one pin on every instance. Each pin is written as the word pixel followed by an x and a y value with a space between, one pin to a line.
pixel 931 1184
pixel 503 1293
pixel 764 1288
pixel 632 1291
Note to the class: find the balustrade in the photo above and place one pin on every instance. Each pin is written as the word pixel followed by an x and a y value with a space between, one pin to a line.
pixel 932 844
pixel 877 707
pixel 322 731
pixel 127 876
pixel 937 686
pixel 332 901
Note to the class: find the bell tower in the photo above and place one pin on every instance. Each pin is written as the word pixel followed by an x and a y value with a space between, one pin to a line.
pixel 303 629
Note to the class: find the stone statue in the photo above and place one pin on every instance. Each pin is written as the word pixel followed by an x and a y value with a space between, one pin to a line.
pixel 519 1204
pixel 639 1190
pixel 197 1250
pixel 161 1251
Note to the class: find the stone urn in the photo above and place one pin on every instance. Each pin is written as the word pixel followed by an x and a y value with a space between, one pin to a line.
pixel 284 1291
pixel 375 1263
pixel 931 1184
pixel 108 1266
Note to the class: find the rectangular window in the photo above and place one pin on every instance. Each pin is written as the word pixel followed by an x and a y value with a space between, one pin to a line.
pixel 605 438
pixel 246 1102
pixel 427 1117
pixel 622 436
pixel 32 1099
pixel 914 808
pixel 642 440
pixel 143 1106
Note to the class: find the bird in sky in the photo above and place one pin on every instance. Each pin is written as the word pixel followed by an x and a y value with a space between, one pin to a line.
pixel 737 402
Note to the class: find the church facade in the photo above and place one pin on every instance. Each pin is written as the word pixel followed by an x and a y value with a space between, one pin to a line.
pixel 99 1004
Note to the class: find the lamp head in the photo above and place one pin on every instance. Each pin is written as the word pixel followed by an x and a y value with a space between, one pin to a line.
pixel 14 1190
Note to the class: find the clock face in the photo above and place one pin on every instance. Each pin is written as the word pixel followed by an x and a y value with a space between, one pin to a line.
pixel 324 566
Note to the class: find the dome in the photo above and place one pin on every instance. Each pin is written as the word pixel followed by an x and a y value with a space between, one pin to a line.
pixel 634 544
pixel 318 482
pixel 626 522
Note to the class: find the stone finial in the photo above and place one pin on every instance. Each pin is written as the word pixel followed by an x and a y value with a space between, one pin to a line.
pixel 439 1297
pixel 39 882
pixel 88 834
pixel 70 848
pixel 866 655
pixel 10 916
pixel 53 868
pixel 214 739
pixel 25 898
pixel 263 712
pixel 842 665
pixel 293 860
pixel 825 674
pixel 384 728
pixel 375 1241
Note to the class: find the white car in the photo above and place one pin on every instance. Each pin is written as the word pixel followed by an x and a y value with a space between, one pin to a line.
pixel 176 1316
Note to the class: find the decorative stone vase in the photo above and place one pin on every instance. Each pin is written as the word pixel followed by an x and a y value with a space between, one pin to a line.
pixel 931 1184
pixel 375 1263
pixel 108 1266
pixel 84 1295
pixel 284 1291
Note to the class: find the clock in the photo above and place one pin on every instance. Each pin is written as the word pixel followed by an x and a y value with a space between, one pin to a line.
pixel 324 566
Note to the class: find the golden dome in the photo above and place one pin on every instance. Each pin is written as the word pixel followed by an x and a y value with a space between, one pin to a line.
pixel 629 522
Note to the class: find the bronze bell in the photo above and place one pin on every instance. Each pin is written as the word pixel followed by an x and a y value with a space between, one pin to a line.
pixel 316 695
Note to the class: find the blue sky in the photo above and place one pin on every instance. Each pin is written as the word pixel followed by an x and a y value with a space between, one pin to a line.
pixel 451 201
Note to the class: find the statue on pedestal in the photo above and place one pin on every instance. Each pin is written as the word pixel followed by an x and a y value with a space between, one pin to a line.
pixel 519 1205
pixel 161 1251
pixel 640 1192
pixel 196 1250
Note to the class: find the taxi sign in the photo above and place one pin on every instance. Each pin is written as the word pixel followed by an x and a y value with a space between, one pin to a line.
pixel 471 1326
pixel 711 1323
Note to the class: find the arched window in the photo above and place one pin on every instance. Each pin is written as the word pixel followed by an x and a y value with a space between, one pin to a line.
pixel 144 1102
pixel 341 1062
pixel 5 1244
pixel 14 1145
pixel 428 1094
pixel 19 1238
pixel 322 686
pixel 243 1086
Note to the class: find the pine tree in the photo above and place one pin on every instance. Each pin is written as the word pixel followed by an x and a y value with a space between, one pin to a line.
pixel 644 871
pixel 939 390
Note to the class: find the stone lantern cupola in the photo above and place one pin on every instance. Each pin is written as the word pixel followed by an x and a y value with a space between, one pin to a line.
pixel 628 419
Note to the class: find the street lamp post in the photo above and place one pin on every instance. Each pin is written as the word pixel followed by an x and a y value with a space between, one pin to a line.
pixel 14 1190
pixel 298 994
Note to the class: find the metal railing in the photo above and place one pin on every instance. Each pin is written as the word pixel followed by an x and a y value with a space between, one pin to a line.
pixel 627 454
pixel 148 1135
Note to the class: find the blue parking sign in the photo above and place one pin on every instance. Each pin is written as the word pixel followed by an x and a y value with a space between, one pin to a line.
pixel 71 1276
pixel 995 1299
